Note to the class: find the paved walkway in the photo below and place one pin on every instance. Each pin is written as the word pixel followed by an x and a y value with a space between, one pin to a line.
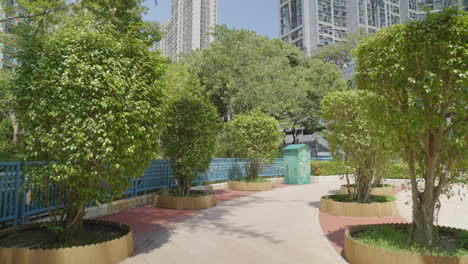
pixel 283 225
pixel 277 226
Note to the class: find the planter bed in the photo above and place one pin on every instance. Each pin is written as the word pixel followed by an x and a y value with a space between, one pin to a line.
pixel 384 189
pixel 204 200
pixel 32 244
pixel 250 186
pixel 354 209
pixel 356 251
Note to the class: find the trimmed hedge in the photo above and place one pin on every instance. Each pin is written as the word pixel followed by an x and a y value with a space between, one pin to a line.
pixel 398 170
pixel 328 168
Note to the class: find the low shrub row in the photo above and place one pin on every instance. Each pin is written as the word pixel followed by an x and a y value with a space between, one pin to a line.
pixel 397 170
pixel 324 168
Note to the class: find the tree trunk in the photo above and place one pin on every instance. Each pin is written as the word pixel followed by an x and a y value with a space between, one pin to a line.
pixel 362 186
pixel 73 223
pixel 14 122
pixel 422 231
pixel 295 139
pixel 254 168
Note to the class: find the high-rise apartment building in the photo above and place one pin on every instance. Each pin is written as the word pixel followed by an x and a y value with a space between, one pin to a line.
pixel 309 24
pixel 189 27
pixel 7 61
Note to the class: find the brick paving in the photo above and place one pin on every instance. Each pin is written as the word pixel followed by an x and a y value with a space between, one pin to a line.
pixel 147 221
pixel 334 226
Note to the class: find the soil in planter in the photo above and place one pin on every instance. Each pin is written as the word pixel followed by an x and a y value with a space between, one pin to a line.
pixel 377 186
pixel 256 180
pixel 344 198
pixel 396 238
pixel 193 194
pixel 42 237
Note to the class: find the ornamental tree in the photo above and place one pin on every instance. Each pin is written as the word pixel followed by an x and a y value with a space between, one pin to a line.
pixel 420 70
pixel 351 129
pixel 257 137
pixel 91 100
pixel 242 71
pixel 190 139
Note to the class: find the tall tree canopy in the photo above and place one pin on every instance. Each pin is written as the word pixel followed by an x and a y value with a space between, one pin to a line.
pixel 340 53
pixel 420 70
pixel 242 71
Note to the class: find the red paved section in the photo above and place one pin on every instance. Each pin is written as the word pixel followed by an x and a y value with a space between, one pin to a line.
pixel 146 221
pixel 335 226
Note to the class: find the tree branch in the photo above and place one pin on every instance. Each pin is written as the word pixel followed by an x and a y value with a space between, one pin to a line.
pixel 40 14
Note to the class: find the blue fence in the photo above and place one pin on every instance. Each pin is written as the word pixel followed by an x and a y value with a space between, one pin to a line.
pixel 16 205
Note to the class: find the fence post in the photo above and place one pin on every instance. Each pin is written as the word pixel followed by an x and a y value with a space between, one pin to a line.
pixel 20 192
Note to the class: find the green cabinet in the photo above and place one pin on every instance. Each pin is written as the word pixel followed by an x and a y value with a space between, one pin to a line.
pixel 297 164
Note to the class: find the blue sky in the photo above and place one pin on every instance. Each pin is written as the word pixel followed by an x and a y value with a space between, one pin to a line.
pixel 260 16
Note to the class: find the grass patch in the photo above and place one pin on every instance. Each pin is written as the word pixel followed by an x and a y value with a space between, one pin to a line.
pixel 344 198
pixel 396 238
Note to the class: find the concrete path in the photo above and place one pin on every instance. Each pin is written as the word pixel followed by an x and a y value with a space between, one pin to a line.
pixel 277 226
pixel 453 213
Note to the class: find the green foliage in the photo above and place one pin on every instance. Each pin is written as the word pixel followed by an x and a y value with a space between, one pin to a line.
pixel 256 136
pixel 225 148
pixel 367 147
pixel 190 139
pixel 243 71
pixel 396 170
pixel 396 239
pixel 92 101
pixel 340 53
pixel 180 82
pixel 420 70
pixel 462 240
pixel 330 168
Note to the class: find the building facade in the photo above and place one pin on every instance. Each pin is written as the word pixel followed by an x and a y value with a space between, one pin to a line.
pixel 309 24
pixel 189 26
pixel 7 60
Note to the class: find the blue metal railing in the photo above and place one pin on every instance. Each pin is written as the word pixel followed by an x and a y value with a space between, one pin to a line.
pixel 18 200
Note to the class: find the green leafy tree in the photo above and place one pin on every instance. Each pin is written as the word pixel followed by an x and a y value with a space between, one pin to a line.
pixel 91 100
pixel 243 71
pixel 8 127
pixel 340 53
pixel 190 140
pixel 420 70
pixel 256 137
pixel 352 130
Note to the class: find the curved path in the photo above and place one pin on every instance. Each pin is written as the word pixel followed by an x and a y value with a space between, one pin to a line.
pixel 283 225
pixel 277 226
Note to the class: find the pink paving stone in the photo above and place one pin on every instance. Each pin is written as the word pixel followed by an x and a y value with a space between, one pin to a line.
pixel 147 221
pixel 334 226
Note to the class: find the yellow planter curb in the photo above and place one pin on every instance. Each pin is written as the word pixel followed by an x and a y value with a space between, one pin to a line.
pixel 387 190
pixel 359 253
pixel 250 186
pixel 109 252
pixel 358 209
pixel 184 203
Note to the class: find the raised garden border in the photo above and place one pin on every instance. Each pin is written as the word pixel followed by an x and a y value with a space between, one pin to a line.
pixel 184 203
pixel 357 252
pixel 358 209
pixel 386 190
pixel 109 252
pixel 250 186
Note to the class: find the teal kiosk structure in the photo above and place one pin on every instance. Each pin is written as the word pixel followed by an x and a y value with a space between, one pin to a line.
pixel 297 164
